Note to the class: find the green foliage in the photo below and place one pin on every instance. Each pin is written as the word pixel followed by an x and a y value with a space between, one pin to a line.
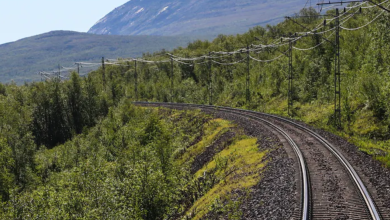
pixel 2 90
pixel 365 69
pixel 121 168
pixel 80 149
pixel 6 164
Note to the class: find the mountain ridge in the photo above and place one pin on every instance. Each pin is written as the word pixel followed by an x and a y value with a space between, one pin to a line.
pixel 20 61
pixel 193 17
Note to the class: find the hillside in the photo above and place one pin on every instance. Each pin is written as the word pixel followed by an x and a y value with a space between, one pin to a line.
pixel 194 17
pixel 365 67
pixel 20 61
pixel 79 148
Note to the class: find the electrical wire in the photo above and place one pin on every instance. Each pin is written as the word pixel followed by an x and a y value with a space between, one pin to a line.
pixel 354 29
pixel 228 64
pixel 311 48
pixel 68 68
pixel 323 32
pixel 307 2
pixel 267 61
pixel 373 6
pixel 254 48
pixel 148 61
pixel 189 64
pixel 117 64
pixel 357 5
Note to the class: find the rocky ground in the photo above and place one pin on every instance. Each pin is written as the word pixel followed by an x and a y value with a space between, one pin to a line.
pixel 375 176
pixel 275 196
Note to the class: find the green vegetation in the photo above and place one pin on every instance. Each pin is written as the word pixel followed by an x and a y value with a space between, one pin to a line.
pixel 365 67
pixel 79 149
pixel 236 167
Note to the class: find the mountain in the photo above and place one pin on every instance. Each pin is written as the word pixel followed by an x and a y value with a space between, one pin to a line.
pixel 20 61
pixel 193 17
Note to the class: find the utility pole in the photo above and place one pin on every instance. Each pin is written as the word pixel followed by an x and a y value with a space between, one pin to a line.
pixel 337 71
pixel 247 92
pixel 135 80
pixel 337 75
pixel 210 82
pixel 290 94
pixel 104 72
pixel 78 68
pixel 290 80
pixel 172 78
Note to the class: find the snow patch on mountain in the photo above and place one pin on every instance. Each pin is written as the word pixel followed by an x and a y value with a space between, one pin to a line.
pixel 194 17
pixel 139 11
pixel 162 10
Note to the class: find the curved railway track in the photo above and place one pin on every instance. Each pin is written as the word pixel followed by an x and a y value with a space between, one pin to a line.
pixel 329 188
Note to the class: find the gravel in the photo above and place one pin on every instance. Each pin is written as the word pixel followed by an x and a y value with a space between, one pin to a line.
pixel 375 176
pixel 275 196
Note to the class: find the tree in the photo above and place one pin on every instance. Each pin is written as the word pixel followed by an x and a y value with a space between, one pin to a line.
pixel 76 103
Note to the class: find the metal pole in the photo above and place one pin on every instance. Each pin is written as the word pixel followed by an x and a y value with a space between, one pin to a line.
pixel 59 72
pixel 104 72
pixel 248 77
pixel 171 79
pixel 337 75
pixel 210 82
pixel 78 68
pixel 290 81
pixel 136 80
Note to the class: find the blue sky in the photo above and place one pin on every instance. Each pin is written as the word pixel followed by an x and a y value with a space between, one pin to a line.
pixel 25 18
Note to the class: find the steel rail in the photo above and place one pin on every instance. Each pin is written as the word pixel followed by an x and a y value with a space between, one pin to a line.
pixel 371 207
pixel 305 180
pixel 375 215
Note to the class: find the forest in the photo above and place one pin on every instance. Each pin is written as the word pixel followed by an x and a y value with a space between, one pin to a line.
pixel 80 149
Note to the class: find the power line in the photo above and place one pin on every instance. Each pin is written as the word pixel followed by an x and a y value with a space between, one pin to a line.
pixel 380 6
pixel 354 29
pixel 268 61
pixel 217 56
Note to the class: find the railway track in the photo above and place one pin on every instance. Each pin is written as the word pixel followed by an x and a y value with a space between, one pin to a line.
pixel 329 187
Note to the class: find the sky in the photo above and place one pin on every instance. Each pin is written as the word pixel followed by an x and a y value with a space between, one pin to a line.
pixel 25 18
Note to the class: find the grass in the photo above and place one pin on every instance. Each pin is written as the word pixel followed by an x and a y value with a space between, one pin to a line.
pixel 237 167
pixel 212 131
pixel 363 130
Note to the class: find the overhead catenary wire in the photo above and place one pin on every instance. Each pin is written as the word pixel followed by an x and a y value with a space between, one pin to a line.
pixel 374 6
pixel 229 64
pixel 313 32
pixel 344 21
pixel 267 61
pixel 357 28
pixel 220 55
pixel 311 48
pixel 357 5
pixel 117 64
pixel 178 61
